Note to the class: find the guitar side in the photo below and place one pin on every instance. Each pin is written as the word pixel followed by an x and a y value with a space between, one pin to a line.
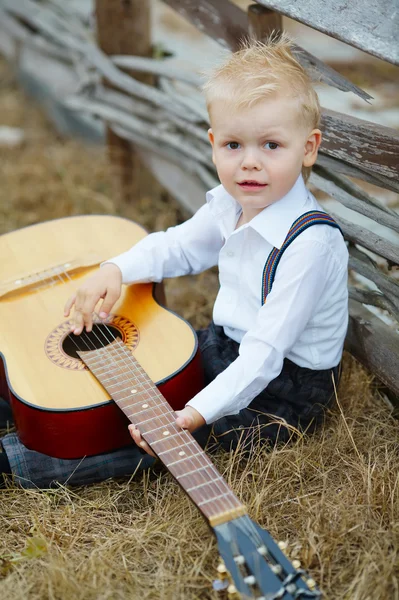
pixel 59 407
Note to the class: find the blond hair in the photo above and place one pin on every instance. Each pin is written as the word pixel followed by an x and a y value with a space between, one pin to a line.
pixel 260 69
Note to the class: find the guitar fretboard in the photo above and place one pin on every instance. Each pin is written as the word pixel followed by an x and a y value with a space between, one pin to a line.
pixel 138 397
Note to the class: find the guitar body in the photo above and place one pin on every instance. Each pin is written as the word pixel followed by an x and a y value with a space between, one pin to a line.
pixel 59 407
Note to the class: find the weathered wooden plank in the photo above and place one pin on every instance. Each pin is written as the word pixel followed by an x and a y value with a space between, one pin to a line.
pixel 363 266
pixel 340 166
pixel 370 26
pixel 368 239
pixel 372 211
pixel 157 67
pixel 370 147
pixel 374 344
pixel 115 116
pixel 227 24
pixel 353 189
pixel 374 299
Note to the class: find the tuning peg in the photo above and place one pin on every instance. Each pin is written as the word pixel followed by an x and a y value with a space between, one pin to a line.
pixel 222 571
pixel 282 545
pixel 311 583
pixel 296 564
pixel 232 592
pixel 277 569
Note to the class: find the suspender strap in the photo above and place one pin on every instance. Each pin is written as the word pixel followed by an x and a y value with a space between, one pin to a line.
pixel 313 217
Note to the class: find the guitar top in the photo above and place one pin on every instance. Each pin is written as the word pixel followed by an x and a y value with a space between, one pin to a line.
pixel 52 394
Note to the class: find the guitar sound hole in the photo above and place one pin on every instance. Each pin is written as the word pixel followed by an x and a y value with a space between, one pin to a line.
pixel 100 336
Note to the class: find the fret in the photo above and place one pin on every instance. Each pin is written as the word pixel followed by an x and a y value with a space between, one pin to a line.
pixel 118 378
pixel 183 458
pixel 194 471
pixel 133 382
pixel 195 487
pixel 117 363
pixel 157 428
pixel 145 410
pixel 134 404
pixel 214 498
pixel 176 447
pixel 171 436
pixel 152 419
pixel 149 407
pixel 129 387
pixel 139 398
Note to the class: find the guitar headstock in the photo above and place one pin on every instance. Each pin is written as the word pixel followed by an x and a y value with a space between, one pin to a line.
pixel 258 567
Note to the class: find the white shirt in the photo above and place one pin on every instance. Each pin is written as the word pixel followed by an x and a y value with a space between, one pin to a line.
pixel 305 317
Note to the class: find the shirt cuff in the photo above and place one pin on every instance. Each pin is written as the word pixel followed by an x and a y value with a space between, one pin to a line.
pixel 135 267
pixel 209 410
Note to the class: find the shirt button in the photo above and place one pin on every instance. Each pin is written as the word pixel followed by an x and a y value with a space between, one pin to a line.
pixel 230 253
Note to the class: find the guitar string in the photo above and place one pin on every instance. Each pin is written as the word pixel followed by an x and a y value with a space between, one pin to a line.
pixel 180 433
pixel 71 336
pixel 248 522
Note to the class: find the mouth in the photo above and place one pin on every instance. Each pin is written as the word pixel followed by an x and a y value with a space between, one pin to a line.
pixel 250 183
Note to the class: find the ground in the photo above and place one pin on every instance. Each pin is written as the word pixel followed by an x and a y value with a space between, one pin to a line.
pixel 334 497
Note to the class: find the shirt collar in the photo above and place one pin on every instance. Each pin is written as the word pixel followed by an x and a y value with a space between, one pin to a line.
pixel 274 222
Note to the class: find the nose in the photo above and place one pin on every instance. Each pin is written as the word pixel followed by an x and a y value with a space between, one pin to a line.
pixel 251 160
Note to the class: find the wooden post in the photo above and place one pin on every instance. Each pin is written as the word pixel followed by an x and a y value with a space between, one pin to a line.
pixel 123 27
pixel 263 21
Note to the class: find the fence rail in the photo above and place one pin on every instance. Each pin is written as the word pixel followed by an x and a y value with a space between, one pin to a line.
pixel 168 120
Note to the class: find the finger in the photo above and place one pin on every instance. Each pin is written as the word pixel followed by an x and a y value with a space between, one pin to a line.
pixel 77 323
pixel 134 432
pixel 107 304
pixel 184 422
pixel 86 309
pixel 70 302
pixel 136 435
pixel 147 449
pixel 80 323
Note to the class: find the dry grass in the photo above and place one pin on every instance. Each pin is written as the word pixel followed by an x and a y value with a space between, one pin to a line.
pixel 333 497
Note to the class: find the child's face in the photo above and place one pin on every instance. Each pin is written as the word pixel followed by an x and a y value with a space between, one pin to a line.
pixel 259 151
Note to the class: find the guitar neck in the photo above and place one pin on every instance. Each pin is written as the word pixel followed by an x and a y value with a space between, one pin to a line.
pixel 137 396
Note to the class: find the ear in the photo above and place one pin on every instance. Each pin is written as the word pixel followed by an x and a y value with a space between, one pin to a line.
pixel 211 138
pixel 311 148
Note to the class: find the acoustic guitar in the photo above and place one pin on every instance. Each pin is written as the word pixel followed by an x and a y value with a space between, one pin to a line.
pixel 59 408
pixel 140 357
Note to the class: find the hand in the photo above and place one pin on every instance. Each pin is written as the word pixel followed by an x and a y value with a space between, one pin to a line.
pixel 189 418
pixel 106 283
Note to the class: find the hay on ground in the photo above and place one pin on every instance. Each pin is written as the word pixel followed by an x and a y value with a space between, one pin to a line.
pixel 334 497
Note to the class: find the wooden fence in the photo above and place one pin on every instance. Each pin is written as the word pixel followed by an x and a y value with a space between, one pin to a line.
pixel 150 113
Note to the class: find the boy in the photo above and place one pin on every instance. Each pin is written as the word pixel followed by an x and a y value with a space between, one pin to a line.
pixel 272 352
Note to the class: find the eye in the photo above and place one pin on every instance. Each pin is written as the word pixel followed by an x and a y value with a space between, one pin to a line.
pixel 271 145
pixel 233 145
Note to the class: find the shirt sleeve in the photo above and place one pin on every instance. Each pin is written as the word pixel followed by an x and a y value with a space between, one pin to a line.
pixel 302 275
pixel 186 249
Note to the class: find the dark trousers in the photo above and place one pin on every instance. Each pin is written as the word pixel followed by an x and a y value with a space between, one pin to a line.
pixel 293 402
